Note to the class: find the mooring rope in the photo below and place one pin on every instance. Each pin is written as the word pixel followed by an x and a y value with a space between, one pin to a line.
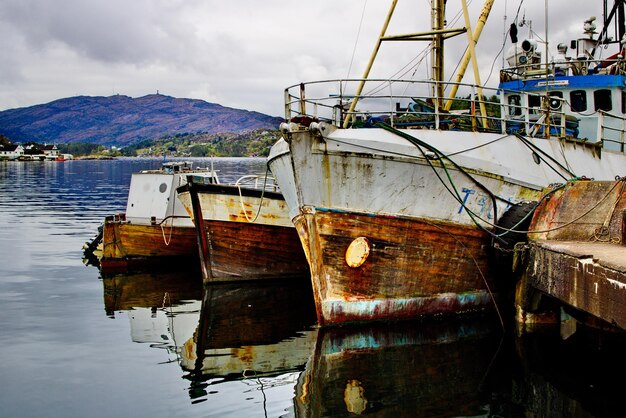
pixel 601 232
pixel 480 272
pixel 243 208
pixel 169 238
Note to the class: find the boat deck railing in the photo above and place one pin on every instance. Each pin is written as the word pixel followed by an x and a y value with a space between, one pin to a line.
pixel 258 181
pixel 564 67
pixel 611 130
pixel 410 104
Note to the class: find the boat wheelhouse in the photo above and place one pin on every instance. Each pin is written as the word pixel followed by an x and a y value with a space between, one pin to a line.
pixel 585 94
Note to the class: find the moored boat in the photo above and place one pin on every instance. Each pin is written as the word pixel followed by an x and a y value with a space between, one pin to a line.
pixel 398 197
pixel 155 229
pixel 244 230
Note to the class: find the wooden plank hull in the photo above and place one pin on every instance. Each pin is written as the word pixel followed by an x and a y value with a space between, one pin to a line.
pixel 398 184
pixel 127 245
pixel 414 267
pixel 247 234
pixel 251 251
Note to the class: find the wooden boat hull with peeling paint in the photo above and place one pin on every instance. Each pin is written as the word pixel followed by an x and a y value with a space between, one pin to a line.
pixel 414 268
pixel 128 245
pixel 242 245
pixel 155 230
pixel 425 256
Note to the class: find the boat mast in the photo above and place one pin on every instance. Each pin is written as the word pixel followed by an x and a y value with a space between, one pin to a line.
pixel 436 36
pixel 469 53
pixel 438 17
pixel 383 31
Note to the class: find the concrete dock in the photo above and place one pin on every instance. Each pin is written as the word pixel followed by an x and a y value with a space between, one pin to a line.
pixel 576 254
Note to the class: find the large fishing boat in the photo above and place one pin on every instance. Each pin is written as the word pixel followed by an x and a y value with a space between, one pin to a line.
pixel 397 187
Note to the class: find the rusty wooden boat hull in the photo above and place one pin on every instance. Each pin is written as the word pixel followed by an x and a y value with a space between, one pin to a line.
pixel 127 245
pixel 413 268
pixel 249 251
pixel 244 234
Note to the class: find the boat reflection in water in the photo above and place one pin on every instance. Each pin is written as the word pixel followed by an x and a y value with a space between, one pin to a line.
pixel 251 330
pixel 424 369
pixel 163 307
pixel 150 289
pixel 253 349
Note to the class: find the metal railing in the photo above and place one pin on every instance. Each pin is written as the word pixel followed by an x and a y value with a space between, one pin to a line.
pixel 409 104
pixel 611 129
pixel 255 181
pixel 569 67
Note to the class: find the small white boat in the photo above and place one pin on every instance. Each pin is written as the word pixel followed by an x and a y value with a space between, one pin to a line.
pixel 155 229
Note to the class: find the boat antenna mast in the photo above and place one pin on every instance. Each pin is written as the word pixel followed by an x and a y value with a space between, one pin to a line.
pixel 436 36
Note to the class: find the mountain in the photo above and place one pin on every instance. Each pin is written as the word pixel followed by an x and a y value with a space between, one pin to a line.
pixel 122 120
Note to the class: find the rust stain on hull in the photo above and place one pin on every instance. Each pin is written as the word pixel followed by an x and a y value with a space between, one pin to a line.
pixel 125 244
pixel 243 251
pixel 414 268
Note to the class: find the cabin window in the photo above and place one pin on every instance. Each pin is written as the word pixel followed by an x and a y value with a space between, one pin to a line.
pixel 578 100
pixel 602 100
pixel 623 101
pixel 534 101
pixel 514 105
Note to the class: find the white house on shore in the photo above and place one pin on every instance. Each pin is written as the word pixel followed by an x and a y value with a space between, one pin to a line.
pixel 11 152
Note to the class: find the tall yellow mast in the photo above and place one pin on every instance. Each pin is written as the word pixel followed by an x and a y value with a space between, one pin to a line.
pixel 470 50
pixel 359 90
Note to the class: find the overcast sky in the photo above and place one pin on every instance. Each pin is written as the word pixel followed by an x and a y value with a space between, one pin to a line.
pixel 236 53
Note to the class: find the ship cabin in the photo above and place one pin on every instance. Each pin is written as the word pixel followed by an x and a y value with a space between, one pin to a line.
pixel 579 97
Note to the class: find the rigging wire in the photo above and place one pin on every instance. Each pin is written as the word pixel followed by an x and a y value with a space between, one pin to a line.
pixel 420 57
pixel 358 34
pixel 440 156
pixel 533 147
pixel 450 185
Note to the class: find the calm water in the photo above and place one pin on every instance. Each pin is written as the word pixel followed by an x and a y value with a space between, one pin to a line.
pixel 77 343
